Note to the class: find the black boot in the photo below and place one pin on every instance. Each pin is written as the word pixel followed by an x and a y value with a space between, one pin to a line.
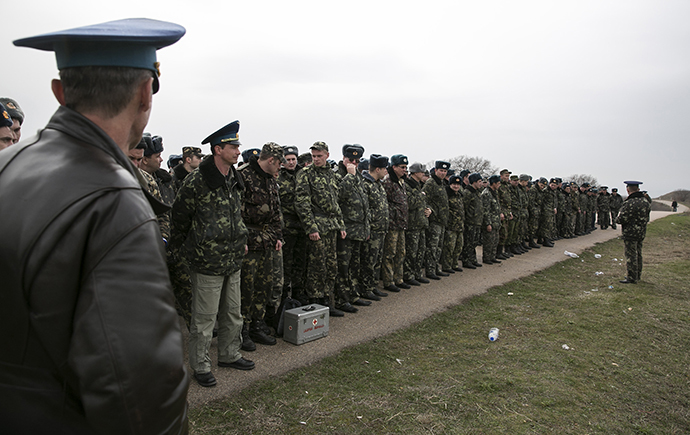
pixel 247 344
pixel 258 335
pixel 533 245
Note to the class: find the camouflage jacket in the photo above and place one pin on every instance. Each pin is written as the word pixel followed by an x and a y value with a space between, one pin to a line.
pixel 549 201
pixel 437 200
pixel 560 201
pixel 634 216
pixel 616 202
pixel 474 208
pixel 154 190
pixel 164 180
pixel 287 187
pixel 575 202
pixel 456 210
pixel 397 201
pixel 207 226
pixel 260 208
pixel 524 205
pixel 515 201
pixel 179 173
pixel 354 204
pixel 416 204
pixel 378 204
pixel 534 199
pixel 505 198
pixel 492 209
pixel 565 204
pixel 604 202
pixel 316 200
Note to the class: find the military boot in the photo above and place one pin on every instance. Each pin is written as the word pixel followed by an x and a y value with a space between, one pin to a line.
pixel 258 335
pixel 533 245
pixel 247 344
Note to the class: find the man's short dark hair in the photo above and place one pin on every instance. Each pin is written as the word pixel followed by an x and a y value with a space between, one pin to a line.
pixel 103 89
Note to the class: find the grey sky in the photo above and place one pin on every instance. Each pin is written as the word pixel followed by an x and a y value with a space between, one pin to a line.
pixel 542 87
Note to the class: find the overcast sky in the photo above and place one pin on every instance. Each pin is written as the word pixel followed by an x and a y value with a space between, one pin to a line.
pixel 548 88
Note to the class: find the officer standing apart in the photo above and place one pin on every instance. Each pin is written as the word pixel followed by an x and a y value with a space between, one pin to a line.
pixel 208 233
pixel 92 342
pixel 633 218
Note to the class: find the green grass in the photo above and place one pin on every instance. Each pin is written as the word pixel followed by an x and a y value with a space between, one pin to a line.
pixel 626 370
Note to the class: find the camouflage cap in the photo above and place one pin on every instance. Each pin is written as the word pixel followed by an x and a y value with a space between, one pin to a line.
pixel 13 109
pixel 319 146
pixel 524 177
pixel 191 151
pixel 514 178
pixel 505 171
pixel 272 149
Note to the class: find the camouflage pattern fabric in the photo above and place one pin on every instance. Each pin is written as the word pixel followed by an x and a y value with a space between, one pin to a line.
pixel 354 204
pixel 276 296
pixel 453 242
pixel 316 200
pixel 207 227
pixel 492 217
pixel 634 216
pixel 393 257
pixel 397 201
pixel 322 266
pixel 504 202
pixel 472 239
pixel 256 284
pixel 534 200
pixel 179 173
pixel 371 261
pixel 547 225
pixel 633 258
pixel 604 210
pixel 154 190
pixel 260 207
pixel 615 204
pixel 437 200
pixel 349 257
pixel 434 246
pixel 378 204
pixel 182 286
pixel 295 247
pixel 415 251
pixel 524 214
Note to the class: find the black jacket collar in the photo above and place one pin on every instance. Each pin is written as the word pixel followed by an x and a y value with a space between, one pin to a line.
pixel 212 176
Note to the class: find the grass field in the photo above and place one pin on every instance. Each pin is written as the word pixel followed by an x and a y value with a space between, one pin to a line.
pixel 578 353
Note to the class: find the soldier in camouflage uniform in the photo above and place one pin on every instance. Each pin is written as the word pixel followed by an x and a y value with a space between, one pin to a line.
pixel 491 223
pixel 453 238
pixel 534 201
pixel 566 203
pixel 516 210
pixel 295 246
pixel 394 243
pixel 523 179
pixel 633 217
pixel 604 208
pixel 191 157
pixel 593 205
pixel 354 204
pixel 208 233
pixel 437 200
pixel 549 206
pixel 615 205
pixel 505 199
pixel 262 217
pixel 378 219
pixel 474 217
pixel 417 224
pixel 316 202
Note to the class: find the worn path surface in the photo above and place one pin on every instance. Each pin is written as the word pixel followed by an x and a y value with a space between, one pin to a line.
pixel 398 310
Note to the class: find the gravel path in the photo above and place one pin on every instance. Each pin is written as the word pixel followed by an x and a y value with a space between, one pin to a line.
pixel 398 310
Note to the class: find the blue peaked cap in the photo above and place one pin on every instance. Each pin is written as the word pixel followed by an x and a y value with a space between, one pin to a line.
pixel 128 43
pixel 228 134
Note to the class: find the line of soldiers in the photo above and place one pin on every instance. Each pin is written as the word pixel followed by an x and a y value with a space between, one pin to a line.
pixel 319 231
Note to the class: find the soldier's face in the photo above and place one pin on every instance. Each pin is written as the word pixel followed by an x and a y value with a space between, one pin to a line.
pixel 400 170
pixel 290 162
pixel 6 137
pixel 505 176
pixel 441 173
pixel 230 153
pixel 135 156
pixel 513 182
pixel 194 161
pixel 455 186
pixel 152 163
pixel 16 130
pixel 319 158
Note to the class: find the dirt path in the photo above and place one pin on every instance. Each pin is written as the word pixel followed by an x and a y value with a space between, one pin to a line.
pixel 392 313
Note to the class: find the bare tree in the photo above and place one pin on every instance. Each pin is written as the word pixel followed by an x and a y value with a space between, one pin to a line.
pixel 472 164
pixel 582 178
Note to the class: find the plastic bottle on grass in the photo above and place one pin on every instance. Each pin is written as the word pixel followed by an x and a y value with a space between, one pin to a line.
pixel 493 334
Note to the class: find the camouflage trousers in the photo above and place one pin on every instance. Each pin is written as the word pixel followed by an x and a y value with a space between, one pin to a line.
pixel 434 247
pixel 415 251
pixel 472 239
pixel 371 261
pixel 349 270
pixel 580 222
pixel 523 227
pixel 453 242
pixel 592 219
pixel 181 285
pixel 294 262
pixel 533 228
pixel 604 218
pixel 614 216
pixel 322 266
pixel 633 258
pixel 276 296
pixel 547 226
pixel 512 225
pixel 256 284
pixel 393 258
pixel 503 232
pixel 489 244
pixel 568 225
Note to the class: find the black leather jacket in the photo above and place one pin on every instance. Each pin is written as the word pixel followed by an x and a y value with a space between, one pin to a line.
pixel 90 339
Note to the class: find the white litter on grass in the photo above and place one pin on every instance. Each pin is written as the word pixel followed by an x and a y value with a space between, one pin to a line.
pixel 595 289
pixel 571 254
pixel 615 259
pixel 510 293
pixel 598 273
pixel 610 287
pixel 303 422
pixel 399 361
pixel 566 347
pixel 359 417
pixel 597 255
